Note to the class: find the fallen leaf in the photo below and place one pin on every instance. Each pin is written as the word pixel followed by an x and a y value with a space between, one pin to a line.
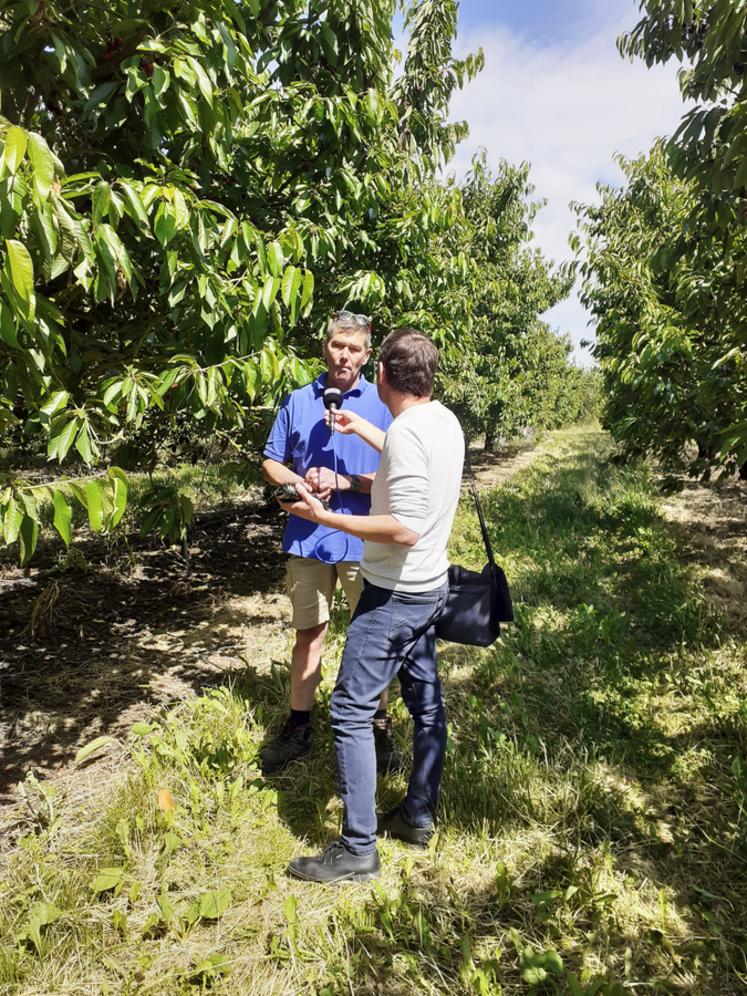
pixel 165 800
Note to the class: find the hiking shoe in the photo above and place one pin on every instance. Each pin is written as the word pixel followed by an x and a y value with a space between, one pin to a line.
pixel 293 743
pixel 336 864
pixel 394 824
pixel 388 758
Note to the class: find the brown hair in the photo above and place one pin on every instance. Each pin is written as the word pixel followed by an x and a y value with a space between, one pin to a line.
pixel 410 359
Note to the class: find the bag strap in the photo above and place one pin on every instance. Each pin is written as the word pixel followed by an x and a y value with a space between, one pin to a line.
pixel 480 514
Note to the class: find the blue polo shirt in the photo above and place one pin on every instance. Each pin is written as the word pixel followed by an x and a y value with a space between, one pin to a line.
pixel 300 437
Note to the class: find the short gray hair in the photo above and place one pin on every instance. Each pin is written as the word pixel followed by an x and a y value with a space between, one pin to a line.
pixel 346 321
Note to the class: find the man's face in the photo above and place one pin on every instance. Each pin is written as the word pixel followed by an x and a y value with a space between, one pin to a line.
pixel 346 353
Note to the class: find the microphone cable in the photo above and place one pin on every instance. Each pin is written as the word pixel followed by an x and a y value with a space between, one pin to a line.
pixel 333 397
pixel 334 462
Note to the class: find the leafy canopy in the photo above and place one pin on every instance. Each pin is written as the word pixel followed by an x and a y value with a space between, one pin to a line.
pixel 187 190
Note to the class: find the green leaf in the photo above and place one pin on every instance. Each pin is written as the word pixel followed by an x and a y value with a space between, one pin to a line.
pixel 275 258
pixel 133 204
pixel 290 909
pixel 119 498
pixel 16 140
pixel 307 291
pixel 267 366
pixel 214 904
pixel 113 391
pixel 12 522
pixel 151 45
pixel 83 445
pixel 95 505
pixel 61 440
pixel 105 234
pixel 29 503
pixel 21 269
pixel 42 223
pixel 181 211
pixel 170 842
pixel 63 516
pixel 214 964
pixel 43 164
pixel 41 916
pixel 55 402
pixel 290 285
pixel 107 879
pixel 329 42
pixel 28 538
pixel 161 79
pixel 166 908
pixel 100 202
pixel 85 752
pixel 203 80
pixel 537 967
pixel 8 331
pixel 165 224
pixel 269 291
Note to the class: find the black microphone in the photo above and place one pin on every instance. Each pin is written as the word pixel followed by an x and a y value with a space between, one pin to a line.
pixel 332 401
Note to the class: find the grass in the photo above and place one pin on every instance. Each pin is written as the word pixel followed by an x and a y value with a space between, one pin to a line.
pixel 592 836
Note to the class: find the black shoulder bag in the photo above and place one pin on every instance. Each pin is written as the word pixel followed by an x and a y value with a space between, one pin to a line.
pixel 478 602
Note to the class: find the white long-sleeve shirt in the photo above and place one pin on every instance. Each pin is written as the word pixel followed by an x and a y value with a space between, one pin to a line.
pixel 418 483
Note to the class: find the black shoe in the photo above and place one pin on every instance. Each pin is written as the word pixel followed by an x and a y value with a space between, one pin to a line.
pixel 394 824
pixel 388 758
pixel 336 864
pixel 293 743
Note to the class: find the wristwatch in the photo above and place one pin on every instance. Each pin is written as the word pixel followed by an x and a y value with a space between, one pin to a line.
pixel 355 482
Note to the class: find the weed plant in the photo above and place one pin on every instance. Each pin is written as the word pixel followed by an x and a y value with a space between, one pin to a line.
pixel 592 836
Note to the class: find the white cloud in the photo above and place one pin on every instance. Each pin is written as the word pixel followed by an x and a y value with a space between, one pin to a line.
pixel 566 109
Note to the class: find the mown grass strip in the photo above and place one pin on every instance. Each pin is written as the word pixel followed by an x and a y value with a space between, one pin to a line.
pixel 592 836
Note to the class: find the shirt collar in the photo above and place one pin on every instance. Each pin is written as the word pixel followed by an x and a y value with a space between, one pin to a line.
pixel 321 382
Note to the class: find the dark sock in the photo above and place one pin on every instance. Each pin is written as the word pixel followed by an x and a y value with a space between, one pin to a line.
pixel 300 717
pixel 380 714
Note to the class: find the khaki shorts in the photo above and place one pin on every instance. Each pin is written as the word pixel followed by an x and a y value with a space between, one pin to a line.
pixel 311 583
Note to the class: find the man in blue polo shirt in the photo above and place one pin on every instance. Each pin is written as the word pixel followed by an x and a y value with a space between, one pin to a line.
pixel 301 448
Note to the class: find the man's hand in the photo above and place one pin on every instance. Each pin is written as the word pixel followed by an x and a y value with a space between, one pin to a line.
pixel 308 507
pixel 349 423
pixel 346 422
pixel 321 480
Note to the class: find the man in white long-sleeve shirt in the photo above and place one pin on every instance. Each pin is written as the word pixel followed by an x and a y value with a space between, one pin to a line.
pixel 393 631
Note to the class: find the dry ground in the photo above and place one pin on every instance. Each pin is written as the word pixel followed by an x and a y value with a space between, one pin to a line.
pixel 711 529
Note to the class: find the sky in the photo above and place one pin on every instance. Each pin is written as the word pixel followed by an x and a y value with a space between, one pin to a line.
pixel 556 93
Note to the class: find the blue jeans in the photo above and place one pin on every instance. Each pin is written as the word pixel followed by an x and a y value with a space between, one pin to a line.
pixel 391 633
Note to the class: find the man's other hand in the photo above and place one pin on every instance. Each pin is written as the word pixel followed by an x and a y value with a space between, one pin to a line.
pixel 321 481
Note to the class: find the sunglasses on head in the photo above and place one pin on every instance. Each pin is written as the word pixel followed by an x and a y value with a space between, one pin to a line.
pixel 349 316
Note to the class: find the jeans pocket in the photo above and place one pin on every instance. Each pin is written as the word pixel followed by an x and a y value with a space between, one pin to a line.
pixel 415 597
pixel 412 614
